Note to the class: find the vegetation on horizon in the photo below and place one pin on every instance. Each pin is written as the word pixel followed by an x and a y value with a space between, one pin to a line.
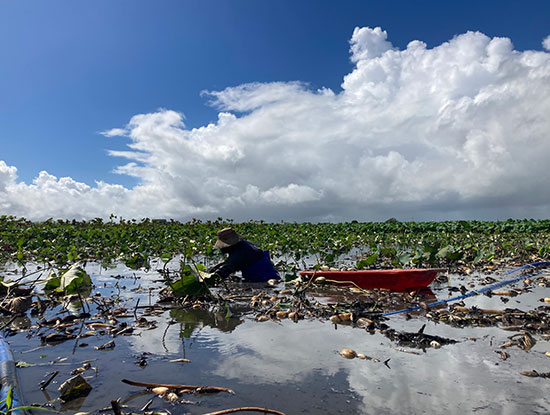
pixel 451 244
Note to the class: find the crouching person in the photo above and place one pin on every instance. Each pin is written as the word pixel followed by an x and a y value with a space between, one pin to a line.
pixel 254 263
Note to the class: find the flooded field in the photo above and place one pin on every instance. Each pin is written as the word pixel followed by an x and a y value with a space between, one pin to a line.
pixel 290 366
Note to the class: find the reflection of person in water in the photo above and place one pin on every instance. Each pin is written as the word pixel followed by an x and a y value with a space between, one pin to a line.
pixel 254 263
pixel 192 319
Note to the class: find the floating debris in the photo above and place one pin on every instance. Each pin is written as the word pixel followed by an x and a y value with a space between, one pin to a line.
pixel 293 315
pixel 49 377
pixel 180 388
pixel 246 409
pixel 160 390
pixel 96 326
pixel 509 293
pixel 55 338
pixel 341 318
pixel 435 344
pixel 81 369
pixel 109 345
pixel 281 315
pixel 503 354
pixel 180 361
pixel 525 341
pixel 365 323
pixel 73 388
pixel 18 305
pixel 141 359
pixel 535 374
pixel 348 353
pixel 359 309
pixel 418 339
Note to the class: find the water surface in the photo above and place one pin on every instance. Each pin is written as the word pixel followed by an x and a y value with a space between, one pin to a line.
pixel 293 367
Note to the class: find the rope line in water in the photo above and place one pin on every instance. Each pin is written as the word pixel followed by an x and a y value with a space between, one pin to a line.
pixel 481 290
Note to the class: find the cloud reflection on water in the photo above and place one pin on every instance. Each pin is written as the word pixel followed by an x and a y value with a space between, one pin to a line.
pixel 464 377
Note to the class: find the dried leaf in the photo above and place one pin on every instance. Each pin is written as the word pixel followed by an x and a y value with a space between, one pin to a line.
pixel 109 345
pixel 527 342
pixel 19 305
pixel 508 344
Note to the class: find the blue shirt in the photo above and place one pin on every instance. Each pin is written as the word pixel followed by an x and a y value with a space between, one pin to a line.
pixel 255 264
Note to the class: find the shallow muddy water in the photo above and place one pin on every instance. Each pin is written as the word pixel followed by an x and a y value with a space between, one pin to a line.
pixel 293 367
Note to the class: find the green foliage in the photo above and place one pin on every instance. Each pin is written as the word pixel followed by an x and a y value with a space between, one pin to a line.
pixel 7 407
pixel 189 282
pixel 368 262
pixel 73 281
pixel 378 244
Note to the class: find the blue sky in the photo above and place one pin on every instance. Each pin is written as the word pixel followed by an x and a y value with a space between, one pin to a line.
pixel 73 69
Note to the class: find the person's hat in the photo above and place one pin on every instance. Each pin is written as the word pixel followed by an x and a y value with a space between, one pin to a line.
pixel 227 237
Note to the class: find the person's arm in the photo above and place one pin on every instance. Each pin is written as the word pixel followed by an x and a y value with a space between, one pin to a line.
pixel 226 268
pixel 234 262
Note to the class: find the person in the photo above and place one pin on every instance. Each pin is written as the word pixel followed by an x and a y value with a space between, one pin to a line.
pixel 254 263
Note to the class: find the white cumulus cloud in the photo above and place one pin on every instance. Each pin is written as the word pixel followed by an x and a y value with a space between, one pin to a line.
pixel 457 131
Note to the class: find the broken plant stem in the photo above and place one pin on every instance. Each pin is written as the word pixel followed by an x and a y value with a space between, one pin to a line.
pixel 115 404
pixel 246 409
pixel 11 320
pixel 164 335
pixel 179 387
pixel 301 289
pixel 147 405
pixel 346 283
pixel 44 384
pixel 82 325
pixel 25 275
pixel 135 309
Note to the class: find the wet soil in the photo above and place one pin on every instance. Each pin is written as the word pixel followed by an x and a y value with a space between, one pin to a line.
pixel 488 354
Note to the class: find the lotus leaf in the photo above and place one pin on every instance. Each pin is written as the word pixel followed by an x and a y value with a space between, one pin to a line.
pixel 73 281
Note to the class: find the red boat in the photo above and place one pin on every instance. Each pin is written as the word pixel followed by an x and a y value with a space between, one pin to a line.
pixel 391 279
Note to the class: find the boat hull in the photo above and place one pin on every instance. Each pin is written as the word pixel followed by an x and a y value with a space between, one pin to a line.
pixel 391 279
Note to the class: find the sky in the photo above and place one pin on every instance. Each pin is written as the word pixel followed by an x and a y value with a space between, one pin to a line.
pixel 275 110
